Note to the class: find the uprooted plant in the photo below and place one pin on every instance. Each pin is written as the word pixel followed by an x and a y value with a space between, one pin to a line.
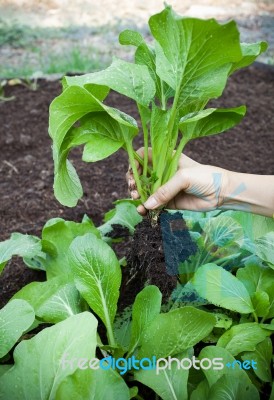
pixel 171 81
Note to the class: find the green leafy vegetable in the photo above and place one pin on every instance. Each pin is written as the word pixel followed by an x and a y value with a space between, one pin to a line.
pixel 172 80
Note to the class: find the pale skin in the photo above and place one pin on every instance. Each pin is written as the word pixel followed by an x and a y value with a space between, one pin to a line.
pixel 199 187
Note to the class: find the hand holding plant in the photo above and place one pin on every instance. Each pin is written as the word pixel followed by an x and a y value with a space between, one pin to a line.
pixel 193 187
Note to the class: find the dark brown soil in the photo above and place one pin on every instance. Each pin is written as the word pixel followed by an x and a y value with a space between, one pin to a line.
pixel 26 167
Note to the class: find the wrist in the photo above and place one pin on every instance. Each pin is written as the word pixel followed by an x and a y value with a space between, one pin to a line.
pixel 248 192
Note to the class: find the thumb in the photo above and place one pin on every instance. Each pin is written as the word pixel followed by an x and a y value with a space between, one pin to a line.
pixel 168 191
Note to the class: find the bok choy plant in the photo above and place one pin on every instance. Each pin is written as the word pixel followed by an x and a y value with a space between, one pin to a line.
pixel 171 81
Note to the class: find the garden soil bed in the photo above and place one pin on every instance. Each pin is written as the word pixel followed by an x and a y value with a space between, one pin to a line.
pixel 26 167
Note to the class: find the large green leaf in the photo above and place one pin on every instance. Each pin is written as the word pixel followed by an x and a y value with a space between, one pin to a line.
pixel 221 288
pixel 53 300
pixel 210 121
pixel 190 54
pixel 265 248
pixel 43 362
pixel 57 236
pixel 19 245
pixel 189 326
pixel 102 128
pixel 169 383
pixel 263 357
pixel 146 307
pixel 92 384
pixel 97 275
pixel 129 79
pixel 243 337
pixel 15 318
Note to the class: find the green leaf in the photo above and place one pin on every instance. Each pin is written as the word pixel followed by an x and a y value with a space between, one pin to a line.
pixel 146 307
pixel 70 106
pixel 77 104
pixel 222 231
pixel 145 55
pixel 130 37
pixel 227 388
pixel 223 321
pixel 57 236
pixel 225 357
pixel 15 318
pixel 19 245
pixel 4 368
pixel 43 362
pixel 53 300
pixel 93 384
pixel 222 289
pixel 169 384
pixel 129 79
pixel 190 54
pixel 103 134
pixel 263 357
pixel 210 121
pixel 122 327
pixel 260 301
pixel 265 248
pixel 256 278
pixel 250 52
pixel 244 337
pixel 97 276
pixel 124 214
pixel 189 326
pixel 201 391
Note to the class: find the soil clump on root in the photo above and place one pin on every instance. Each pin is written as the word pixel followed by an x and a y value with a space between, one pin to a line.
pixel 154 256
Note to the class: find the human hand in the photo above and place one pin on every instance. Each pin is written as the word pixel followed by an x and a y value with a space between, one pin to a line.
pixel 194 187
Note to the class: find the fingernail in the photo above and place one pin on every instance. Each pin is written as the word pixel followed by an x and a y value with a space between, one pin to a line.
pixel 151 203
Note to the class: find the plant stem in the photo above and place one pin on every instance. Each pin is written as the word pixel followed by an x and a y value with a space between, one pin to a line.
pixel 141 162
pixel 145 132
pixel 175 160
pixel 255 317
pixel 134 170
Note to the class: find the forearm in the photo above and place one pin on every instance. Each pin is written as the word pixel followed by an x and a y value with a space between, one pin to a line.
pixel 251 193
